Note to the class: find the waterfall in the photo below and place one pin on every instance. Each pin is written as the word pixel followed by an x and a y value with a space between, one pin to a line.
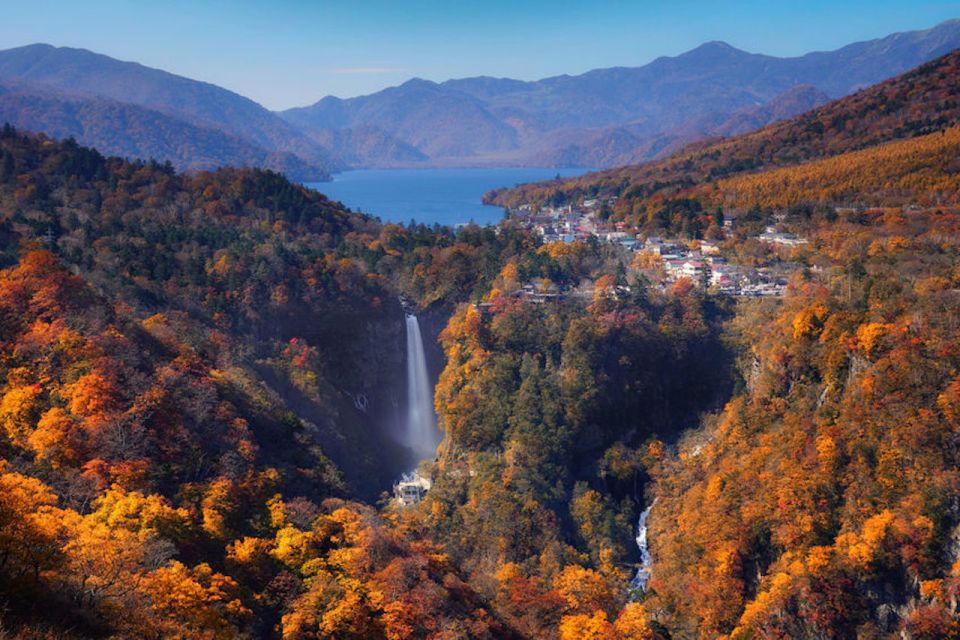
pixel 643 572
pixel 420 433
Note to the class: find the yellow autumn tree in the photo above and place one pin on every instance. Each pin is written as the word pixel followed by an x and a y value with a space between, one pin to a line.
pixel 194 603
pixel 33 531
pixel 19 412
pixel 55 440
pixel 582 626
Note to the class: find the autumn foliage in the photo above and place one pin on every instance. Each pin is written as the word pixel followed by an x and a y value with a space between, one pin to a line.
pixel 192 366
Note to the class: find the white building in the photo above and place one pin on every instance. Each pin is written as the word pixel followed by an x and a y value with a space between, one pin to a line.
pixel 772 236
pixel 411 489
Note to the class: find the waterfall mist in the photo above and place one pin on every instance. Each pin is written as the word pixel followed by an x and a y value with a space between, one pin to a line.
pixel 420 432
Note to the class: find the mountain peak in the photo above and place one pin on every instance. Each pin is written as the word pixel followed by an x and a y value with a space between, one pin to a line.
pixel 717 44
pixel 36 46
pixel 713 48
pixel 46 49
pixel 415 83
pixel 952 22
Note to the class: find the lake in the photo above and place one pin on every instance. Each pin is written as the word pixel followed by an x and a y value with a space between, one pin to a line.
pixel 443 196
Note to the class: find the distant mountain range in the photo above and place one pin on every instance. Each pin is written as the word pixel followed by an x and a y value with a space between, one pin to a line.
pixel 602 118
pixel 921 104
pixel 620 115
pixel 123 106
pixel 130 131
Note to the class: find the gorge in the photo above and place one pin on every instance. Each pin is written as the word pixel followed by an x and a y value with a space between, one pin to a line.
pixel 209 381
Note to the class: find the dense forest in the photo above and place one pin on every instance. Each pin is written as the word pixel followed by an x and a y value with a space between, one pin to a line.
pixel 178 359
pixel 182 454
pixel 821 501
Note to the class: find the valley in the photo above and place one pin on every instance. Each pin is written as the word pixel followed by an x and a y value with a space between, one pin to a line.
pixel 711 392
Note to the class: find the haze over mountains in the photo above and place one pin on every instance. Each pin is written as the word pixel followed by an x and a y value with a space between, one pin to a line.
pixel 602 118
pixel 119 106
pixel 620 115
pixel 131 131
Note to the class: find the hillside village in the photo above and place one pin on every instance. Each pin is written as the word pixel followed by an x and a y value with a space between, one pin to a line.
pixel 663 260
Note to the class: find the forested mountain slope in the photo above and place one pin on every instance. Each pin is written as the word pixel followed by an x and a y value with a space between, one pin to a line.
pixel 178 369
pixel 129 131
pixel 919 102
pixel 183 453
pixel 822 501
pixel 77 74
pixel 179 363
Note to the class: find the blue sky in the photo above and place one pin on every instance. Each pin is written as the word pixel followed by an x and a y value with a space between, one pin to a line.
pixel 286 53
